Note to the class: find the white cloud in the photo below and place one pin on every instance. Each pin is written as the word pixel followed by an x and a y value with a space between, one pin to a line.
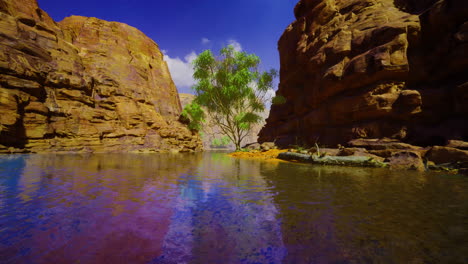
pixel 266 96
pixel 181 69
pixel 270 94
pixel 205 41
pixel 191 57
pixel 268 101
pixel 237 46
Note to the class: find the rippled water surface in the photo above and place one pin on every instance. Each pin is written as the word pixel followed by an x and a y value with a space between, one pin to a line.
pixel 210 208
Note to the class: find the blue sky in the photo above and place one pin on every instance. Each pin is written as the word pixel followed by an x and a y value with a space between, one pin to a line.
pixel 184 28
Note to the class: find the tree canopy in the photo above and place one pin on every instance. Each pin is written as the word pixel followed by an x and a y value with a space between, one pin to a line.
pixel 233 91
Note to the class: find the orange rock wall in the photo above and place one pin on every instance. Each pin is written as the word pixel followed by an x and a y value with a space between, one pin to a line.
pixel 83 84
pixel 373 69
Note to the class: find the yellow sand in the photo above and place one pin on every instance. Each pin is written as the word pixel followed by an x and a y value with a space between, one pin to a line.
pixel 270 155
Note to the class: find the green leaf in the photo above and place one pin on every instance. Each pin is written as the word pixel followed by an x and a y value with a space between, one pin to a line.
pixel 221 142
pixel 195 114
pixel 278 100
pixel 224 89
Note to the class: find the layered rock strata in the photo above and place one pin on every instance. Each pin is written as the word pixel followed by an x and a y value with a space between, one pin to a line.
pixel 373 69
pixel 84 84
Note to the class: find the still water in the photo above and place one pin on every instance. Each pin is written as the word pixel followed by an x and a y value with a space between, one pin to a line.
pixel 211 208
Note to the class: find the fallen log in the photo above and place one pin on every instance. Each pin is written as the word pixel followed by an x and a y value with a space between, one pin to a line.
pixel 292 156
pixel 354 161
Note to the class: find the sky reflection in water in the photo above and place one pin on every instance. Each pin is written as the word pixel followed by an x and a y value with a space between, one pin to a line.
pixel 210 208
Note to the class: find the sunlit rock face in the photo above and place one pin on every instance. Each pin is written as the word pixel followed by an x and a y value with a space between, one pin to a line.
pixel 373 69
pixel 84 84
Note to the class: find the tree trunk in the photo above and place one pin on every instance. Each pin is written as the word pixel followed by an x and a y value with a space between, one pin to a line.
pixel 238 145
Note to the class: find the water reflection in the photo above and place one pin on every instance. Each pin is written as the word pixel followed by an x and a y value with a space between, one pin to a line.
pixel 136 209
pixel 216 219
pixel 210 208
pixel 92 209
pixel 355 215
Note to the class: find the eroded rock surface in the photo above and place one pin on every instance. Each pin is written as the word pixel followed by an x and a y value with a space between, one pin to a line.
pixel 83 84
pixel 372 69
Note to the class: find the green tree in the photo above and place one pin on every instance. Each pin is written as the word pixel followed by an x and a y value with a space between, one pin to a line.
pixel 195 115
pixel 233 91
pixel 221 142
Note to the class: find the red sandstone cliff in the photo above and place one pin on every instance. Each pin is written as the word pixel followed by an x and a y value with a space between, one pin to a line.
pixel 83 84
pixel 373 69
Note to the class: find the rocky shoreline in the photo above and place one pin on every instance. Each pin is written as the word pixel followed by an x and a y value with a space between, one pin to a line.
pixel 385 153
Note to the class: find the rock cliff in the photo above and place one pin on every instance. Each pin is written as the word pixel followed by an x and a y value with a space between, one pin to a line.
pixel 83 84
pixel 373 69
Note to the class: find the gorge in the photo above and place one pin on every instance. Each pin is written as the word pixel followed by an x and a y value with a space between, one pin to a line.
pixel 363 163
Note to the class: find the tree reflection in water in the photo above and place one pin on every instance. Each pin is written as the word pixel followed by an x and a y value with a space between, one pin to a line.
pixel 211 208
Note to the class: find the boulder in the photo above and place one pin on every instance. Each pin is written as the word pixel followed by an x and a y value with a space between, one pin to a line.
pixel 253 146
pixel 440 155
pixel 351 151
pixel 457 144
pixel 267 146
pixel 406 160
pixel 381 144
pixel 359 152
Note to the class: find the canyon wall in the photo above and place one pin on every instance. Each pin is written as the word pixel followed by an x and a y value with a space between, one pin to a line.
pixel 373 69
pixel 84 84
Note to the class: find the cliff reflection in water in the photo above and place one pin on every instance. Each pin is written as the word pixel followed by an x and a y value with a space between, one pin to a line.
pixel 136 209
pixel 210 208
